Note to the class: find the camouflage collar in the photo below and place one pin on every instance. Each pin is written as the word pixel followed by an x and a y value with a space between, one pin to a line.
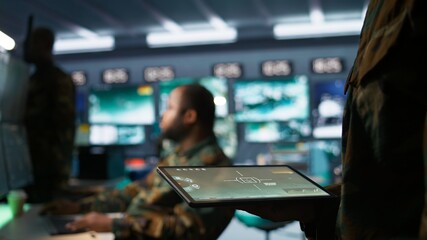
pixel 196 148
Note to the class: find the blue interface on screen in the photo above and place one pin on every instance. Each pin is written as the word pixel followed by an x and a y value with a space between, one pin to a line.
pixel 329 100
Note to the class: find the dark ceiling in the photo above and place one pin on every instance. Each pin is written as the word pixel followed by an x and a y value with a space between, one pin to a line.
pixel 129 21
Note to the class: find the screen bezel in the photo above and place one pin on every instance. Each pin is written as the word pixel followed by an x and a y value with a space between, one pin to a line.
pixel 162 170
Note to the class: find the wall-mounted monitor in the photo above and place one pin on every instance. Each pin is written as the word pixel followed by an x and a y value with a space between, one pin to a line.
pixel 122 105
pixel 328 107
pixel 115 76
pixel 116 134
pixel 272 100
pixel 293 130
pixel 217 86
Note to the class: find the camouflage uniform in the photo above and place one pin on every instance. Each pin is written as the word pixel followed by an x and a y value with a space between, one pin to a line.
pixel 383 168
pixel 49 120
pixel 155 211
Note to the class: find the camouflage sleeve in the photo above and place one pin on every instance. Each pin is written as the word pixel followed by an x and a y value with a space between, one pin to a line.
pixel 63 104
pixel 133 195
pixel 111 201
pixel 161 213
pixel 180 223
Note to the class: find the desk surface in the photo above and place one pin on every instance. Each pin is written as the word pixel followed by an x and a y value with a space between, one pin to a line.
pixel 31 226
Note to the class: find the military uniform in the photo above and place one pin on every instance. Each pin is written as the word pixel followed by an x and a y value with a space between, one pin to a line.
pixel 153 209
pixel 49 120
pixel 383 169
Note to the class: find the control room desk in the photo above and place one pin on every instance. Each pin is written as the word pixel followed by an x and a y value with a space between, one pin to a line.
pixel 31 226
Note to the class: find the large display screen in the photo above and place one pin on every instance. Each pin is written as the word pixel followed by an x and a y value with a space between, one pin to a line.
pixel 329 100
pixel 272 100
pixel 116 134
pixel 122 105
pixel 216 85
pixel 293 130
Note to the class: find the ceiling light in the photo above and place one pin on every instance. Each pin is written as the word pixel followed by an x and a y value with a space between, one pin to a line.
pixel 166 39
pixel 6 42
pixel 81 45
pixel 342 28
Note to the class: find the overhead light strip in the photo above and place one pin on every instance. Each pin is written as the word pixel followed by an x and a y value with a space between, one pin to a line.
pixel 327 29
pixel 80 45
pixel 186 38
pixel 316 12
pixel 6 42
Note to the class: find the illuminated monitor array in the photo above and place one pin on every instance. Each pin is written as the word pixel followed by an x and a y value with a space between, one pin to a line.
pixel 279 110
pixel 269 110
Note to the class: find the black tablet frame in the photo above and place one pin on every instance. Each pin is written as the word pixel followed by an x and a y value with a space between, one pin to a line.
pixel 162 170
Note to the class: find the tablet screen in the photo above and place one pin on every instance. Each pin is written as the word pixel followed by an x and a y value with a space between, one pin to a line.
pixel 235 183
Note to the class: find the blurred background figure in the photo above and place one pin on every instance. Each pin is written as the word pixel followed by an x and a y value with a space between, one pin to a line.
pixel 49 118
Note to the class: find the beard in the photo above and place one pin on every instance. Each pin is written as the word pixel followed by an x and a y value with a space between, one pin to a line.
pixel 176 132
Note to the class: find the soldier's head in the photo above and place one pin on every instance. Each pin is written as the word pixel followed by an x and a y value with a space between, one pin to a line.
pixel 190 109
pixel 40 45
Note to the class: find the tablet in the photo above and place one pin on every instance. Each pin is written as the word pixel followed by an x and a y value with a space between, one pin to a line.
pixel 235 185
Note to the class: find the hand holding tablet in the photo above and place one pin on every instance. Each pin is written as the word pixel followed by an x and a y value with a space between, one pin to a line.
pixel 238 185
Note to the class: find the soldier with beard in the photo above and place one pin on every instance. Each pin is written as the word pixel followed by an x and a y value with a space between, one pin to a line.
pixel 152 209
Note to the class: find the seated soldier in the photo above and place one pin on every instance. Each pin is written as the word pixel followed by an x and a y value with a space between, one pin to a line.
pixel 152 209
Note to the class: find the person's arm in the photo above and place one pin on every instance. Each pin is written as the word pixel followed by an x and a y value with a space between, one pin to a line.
pixel 108 201
pixel 116 200
pixel 180 222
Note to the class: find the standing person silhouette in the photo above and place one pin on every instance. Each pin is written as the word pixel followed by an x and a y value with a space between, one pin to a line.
pixel 382 194
pixel 49 119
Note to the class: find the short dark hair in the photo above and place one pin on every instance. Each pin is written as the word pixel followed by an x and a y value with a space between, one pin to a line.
pixel 197 97
pixel 45 36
